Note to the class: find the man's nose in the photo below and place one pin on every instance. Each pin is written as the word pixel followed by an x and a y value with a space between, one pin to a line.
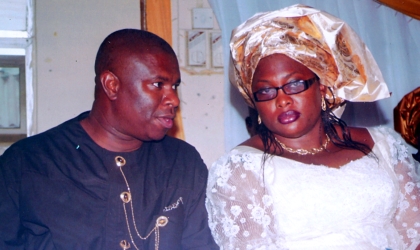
pixel 171 98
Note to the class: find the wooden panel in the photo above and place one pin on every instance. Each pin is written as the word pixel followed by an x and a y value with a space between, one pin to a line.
pixel 159 21
pixel 158 18
pixel 409 7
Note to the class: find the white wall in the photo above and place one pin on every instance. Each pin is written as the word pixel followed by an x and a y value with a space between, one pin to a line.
pixel 68 34
pixel 202 87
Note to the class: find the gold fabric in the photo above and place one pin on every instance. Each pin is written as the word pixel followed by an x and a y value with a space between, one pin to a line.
pixel 322 42
pixel 407 116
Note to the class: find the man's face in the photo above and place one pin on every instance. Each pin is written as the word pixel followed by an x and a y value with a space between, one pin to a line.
pixel 147 99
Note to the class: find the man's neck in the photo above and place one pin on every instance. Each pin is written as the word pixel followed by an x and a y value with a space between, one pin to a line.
pixel 106 136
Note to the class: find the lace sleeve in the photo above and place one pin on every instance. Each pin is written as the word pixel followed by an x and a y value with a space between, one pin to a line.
pixel 407 216
pixel 241 214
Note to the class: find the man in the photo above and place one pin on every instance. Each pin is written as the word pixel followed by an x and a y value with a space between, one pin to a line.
pixel 110 178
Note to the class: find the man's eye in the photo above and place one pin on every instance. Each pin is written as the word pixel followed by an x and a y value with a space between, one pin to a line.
pixel 175 86
pixel 157 84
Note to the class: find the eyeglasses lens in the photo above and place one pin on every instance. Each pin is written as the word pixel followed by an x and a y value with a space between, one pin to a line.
pixel 267 94
pixel 295 87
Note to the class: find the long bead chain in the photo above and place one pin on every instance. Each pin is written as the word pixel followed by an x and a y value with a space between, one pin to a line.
pixel 127 198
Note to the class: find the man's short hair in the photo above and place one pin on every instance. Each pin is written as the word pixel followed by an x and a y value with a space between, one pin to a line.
pixel 127 40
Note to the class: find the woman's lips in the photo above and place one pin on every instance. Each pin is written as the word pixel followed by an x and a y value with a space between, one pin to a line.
pixel 288 117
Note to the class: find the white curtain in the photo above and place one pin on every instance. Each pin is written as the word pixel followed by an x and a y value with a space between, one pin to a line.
pixel 392 37
pixel 13 15
pixel 16 37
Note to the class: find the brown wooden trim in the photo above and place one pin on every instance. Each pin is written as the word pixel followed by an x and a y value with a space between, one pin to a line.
pixel 159 18
pixel 143 23
pixel 408 7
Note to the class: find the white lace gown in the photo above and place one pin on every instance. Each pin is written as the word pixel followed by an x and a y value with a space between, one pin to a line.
pixel 369 203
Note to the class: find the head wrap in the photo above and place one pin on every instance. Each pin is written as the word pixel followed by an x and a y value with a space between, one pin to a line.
pixel 322 42
pixel 407 116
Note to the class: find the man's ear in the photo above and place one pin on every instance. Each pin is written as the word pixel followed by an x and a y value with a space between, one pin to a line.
pixel 110 84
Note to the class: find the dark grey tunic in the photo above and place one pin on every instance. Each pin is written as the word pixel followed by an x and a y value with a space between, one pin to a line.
pixel 60 190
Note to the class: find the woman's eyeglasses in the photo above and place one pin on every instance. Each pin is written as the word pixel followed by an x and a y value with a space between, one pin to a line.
pixel 291 88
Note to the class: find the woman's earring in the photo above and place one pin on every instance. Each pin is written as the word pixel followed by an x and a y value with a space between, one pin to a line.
pixel 323 104
pixel 259 119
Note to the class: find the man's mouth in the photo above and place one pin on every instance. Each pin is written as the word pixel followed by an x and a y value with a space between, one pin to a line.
pixel 167 122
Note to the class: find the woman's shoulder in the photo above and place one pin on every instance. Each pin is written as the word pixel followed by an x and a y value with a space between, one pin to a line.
pixel 383 134
pixel 238 157
pixel 389 141
pixel 240 161
pixel 362 135
pixel 242 152
pixel 372 136
pixel 358 134
pixel 253 142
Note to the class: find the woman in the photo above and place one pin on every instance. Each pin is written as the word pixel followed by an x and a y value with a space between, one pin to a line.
pixel 306 180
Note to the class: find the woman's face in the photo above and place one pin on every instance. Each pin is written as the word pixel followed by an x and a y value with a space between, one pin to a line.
pixel 289 116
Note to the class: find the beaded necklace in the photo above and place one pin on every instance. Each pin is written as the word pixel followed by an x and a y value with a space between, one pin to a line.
pixel 302 151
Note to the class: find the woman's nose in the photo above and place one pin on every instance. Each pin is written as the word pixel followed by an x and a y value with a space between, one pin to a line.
pixel 282 99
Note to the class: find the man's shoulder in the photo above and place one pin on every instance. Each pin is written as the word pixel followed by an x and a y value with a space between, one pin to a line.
pixel 170 145
pixel 175 142
pixel 44 139
pixel 177 151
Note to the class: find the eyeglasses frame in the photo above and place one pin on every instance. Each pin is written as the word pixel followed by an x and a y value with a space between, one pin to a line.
pixel 307 83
